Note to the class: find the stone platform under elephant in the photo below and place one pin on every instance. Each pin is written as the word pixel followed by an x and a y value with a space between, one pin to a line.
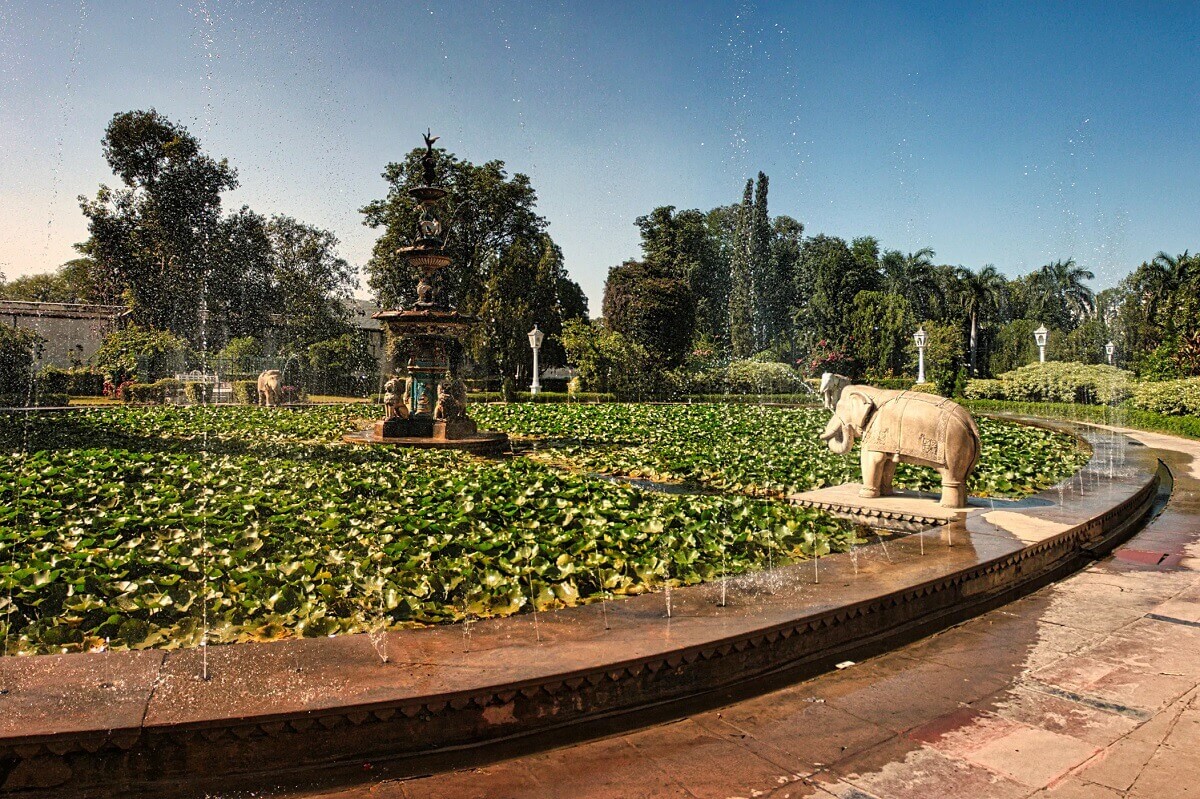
pixel 904 510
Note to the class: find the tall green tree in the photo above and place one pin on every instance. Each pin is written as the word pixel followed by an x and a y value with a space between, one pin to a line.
pixel 1059 297
pixel 683 245
pixel 914 277
pixel 652 309
pixel 984 297
pixel 763 289
pixel 309 280
pixel 151 239
pixel 741 279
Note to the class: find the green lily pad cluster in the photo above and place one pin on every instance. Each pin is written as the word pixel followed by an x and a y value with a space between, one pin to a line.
pixel 160 527
pixel 760 450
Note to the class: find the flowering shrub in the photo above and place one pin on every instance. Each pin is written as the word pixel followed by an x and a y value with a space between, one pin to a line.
pixel 1169 397
pixel 1056 381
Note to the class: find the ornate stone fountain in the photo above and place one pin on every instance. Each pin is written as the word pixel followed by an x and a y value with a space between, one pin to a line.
pixel 428 407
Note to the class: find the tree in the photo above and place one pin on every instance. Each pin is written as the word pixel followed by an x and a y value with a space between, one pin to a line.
pixel 943 356
pixel 741 280
pixel 786 244
pixel 486 212
pixel 69 283
pixel 983 298
pixel 652 309
pixel 242 297
pixel 1058 297
pixel 606 360
pixel 763 289
pixel 914 277
pixel 151 241
pixel 684 245
pixel 308 281
pixel 142 354
pixel 836 278
pixel 882 326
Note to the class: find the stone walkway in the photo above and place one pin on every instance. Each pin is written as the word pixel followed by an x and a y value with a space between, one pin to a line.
pixel 1087 688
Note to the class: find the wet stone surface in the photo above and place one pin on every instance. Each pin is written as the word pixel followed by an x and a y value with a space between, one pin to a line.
pixel 1088 688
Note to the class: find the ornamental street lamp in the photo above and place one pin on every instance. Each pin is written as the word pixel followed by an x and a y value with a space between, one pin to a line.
pixel 920 337
pixel 535 341
pixel 1039 336
pixel 1109 349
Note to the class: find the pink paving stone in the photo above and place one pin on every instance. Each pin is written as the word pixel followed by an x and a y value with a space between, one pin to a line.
pixel 1031 756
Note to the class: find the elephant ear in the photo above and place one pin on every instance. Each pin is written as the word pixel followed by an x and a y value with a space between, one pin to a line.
pixel 861 406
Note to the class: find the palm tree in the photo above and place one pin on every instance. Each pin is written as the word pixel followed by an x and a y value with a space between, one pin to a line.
pixel 1061 293
pixel 1163 280
pixel 913 277
pixel 984 295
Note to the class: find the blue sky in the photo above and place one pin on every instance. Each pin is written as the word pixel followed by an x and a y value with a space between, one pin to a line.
pixel 1006 133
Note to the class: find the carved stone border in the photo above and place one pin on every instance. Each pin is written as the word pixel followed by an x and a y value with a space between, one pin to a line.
pixel 158 761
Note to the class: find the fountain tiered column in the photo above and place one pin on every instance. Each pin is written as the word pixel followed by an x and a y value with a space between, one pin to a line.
pixel 427 406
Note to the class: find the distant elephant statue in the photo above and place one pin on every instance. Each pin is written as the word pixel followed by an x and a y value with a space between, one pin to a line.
pixel 907 426
pixel 831 389
pixel 269 387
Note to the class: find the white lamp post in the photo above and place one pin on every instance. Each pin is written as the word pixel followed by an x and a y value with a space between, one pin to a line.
pixel 535 341
pixel 1109 349
pixel 1039 336
pixel 920 337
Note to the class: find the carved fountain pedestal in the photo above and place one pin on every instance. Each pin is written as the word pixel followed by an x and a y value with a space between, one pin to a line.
pixel 430 410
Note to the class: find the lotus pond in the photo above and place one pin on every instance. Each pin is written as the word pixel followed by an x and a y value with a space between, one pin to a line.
pixel 129 526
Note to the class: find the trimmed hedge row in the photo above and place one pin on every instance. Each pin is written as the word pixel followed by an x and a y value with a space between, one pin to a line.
pixel 1122 416
pixel 1056 381
pixel 1169 397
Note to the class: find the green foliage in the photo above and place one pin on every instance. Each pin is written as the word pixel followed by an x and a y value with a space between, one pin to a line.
pixel 751 377
pixel 342 366
pixel 1014 347
pixel 171 514
pixel 743 342
pixel 71 282
pixel 1169 397
pixel 72 382
pixel 1121 416
pixel 607 361
pixel 245 392
pixel 16 361
pixel 242 354
pixel 198 393
pixel 944 356
pixel 651 309
pixel 1055 381
pixel 143 352
pixel 882 325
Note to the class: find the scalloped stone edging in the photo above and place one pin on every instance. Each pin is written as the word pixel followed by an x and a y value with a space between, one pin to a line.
pixel 144 723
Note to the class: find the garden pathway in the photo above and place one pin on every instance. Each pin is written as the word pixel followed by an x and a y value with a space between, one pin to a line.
pixel 1087 688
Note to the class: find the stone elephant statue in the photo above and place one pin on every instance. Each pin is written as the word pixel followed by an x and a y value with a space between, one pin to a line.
pixel 269 387
pixel 907 426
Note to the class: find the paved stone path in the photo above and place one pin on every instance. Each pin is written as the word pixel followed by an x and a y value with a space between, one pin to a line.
pixel 1087 688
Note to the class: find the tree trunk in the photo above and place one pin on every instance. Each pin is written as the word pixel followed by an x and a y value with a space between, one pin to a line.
pixel 974 345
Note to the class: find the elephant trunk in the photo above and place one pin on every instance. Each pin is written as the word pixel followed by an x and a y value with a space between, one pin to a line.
pixel 838 435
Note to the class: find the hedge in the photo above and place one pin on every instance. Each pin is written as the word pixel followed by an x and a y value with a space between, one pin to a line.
pixel 198 393
pixel 41 399
pixel 245 392
pixel 1056 381
pixel 1122 416
pixel 1169 397
pixel 74 382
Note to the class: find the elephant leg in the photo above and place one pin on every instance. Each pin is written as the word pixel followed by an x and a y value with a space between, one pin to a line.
pixel 889 472
pixel 954 492
pixel 873 464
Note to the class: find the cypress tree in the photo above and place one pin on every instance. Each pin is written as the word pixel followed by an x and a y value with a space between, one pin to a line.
pixel 741 290
pixel 761 282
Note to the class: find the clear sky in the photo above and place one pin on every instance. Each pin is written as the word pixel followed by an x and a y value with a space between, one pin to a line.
pixel 1008 133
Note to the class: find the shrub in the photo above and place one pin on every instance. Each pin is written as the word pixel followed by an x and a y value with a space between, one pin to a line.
pixel 54 380
pixel 743 377
pixel 39 400
pixel 245 392
pixel 85 383
pixel 925 388
pixel 1056 381
pixel 143 393
pixel 198 393
pixel 984 390
pixel 149 354
pixel 1169 397
pixel 16 358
